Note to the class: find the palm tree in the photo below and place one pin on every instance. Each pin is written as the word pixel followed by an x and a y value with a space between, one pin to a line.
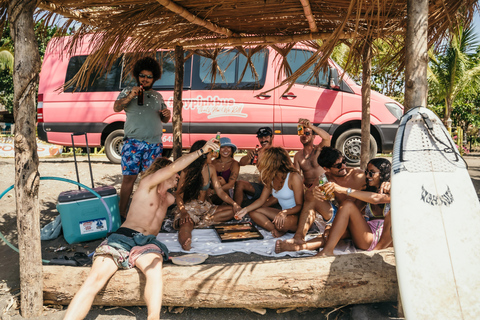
pixel 454 66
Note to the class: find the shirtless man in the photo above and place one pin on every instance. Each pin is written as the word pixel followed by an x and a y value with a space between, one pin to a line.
pixel 333 162
pixel 253 189
pixel 305 160
pixel 134 244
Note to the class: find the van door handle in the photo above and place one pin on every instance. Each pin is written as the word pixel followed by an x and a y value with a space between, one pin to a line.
pixel 263 95
pixel 289 95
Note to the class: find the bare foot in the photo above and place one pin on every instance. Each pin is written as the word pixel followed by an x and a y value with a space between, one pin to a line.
pixel 297 240
pixel 277 234
pixel 187 245
pixel 324 253
pixel 288 245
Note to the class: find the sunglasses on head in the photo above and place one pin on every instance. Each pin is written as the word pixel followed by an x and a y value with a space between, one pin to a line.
pixel 370 173
pixel 148 76
pixel 339 165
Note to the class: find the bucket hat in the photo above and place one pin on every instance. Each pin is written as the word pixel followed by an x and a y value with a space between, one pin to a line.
pixel 226 142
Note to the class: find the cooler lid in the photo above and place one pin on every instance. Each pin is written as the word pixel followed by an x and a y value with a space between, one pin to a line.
pixel 75 195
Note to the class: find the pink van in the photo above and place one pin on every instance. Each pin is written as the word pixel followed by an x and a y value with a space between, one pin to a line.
pixel 229 103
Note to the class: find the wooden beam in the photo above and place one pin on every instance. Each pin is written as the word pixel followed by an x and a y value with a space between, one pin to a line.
pixel 181 11
pixel 298 282
pixel 27 179
pixel 307 9
pixel 255 40
pixel 416 59
pixel 177 118
pixel 366 93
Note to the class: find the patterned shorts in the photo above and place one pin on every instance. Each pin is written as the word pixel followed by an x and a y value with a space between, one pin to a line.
pixel 125 246
pixel 377 228
pixel 138 156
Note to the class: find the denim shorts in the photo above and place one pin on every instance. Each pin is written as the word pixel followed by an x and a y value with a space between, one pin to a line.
pixel 138 155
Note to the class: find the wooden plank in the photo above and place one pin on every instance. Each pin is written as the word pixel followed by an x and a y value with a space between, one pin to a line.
pixel 302 282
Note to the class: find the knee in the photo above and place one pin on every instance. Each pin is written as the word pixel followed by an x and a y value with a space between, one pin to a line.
pixel 239 185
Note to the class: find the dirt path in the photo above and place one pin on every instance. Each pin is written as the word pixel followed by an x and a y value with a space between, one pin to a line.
pixel 105 173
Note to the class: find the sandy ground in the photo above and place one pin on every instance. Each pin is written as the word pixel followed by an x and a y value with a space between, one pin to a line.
pixel 105 173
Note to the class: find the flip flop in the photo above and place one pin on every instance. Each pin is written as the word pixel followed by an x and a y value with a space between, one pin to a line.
pixel 63 261
pixel 189 259
pixel 82 259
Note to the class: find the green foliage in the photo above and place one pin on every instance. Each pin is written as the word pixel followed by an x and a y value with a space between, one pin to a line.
pixel 43 35
pixel 454 70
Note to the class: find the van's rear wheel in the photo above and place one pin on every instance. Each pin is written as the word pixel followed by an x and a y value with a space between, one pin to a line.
pixel 350 144
pixel 113 146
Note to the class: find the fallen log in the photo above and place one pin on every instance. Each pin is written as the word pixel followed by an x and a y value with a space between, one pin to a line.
pixel 302 282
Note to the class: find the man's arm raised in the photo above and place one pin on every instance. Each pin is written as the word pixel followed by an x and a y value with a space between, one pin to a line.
pixel 326 139
pixel 178 165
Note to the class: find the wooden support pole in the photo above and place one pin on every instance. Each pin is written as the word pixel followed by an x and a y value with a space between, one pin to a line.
pixel 177 118
pixel 366 277
pixel 416 61
pixel 366 93
pixel 27 179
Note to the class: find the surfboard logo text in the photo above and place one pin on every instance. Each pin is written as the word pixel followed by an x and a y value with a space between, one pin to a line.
pixel 445 199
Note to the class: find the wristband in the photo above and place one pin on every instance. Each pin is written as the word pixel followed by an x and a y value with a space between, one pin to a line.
pixel 201 152
pixel 349 190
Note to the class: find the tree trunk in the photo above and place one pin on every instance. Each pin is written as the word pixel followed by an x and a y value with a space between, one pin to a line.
pixel 366 93
pixel 25 80
pixel 366 277
pixel 416 42
pixel 177 118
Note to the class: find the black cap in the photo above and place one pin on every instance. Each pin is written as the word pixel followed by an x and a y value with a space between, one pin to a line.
pixel 264 131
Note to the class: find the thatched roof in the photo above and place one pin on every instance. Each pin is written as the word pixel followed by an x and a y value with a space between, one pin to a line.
pixel 139 26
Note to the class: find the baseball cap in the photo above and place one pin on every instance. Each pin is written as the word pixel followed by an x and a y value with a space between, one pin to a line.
pixel 264 131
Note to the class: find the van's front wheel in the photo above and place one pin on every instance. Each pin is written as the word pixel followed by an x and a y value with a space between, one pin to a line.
pixel 350 144
pixel 113 146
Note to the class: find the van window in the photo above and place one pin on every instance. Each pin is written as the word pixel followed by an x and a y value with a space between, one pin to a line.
pixel 167 81
pixel 296 58
pixel 230 66
pixel 99 81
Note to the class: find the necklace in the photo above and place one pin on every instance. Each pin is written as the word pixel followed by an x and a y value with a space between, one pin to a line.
pixel 306 156
pixel 224 164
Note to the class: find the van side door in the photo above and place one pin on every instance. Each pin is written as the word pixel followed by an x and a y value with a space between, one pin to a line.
pixel 310 97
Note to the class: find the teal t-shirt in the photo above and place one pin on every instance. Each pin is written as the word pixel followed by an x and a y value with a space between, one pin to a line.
pixel 143 122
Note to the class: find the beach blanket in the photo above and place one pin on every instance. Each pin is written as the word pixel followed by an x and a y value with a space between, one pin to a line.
pixel 207 241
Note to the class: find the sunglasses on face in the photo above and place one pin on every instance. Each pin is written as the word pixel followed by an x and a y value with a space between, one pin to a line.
pixel 370 173
pixel 307 134
pixel 148 76
pixel 339 165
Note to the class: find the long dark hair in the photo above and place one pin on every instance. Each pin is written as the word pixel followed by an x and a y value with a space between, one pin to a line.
pixel 385 168
pixel 193 174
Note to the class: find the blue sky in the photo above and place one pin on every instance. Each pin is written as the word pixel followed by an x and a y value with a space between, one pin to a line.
pixel 476 23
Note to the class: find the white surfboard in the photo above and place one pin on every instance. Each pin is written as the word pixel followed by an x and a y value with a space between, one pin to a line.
pixel 435 222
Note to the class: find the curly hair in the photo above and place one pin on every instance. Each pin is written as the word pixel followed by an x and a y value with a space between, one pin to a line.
pixel 148 64
pixel 193 174
pixel 273 160
pixel 328 156
pixel 385 168
pixel 157 164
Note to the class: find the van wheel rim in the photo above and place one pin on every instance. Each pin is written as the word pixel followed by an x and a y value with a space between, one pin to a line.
pixel 352 148
pixel 117 145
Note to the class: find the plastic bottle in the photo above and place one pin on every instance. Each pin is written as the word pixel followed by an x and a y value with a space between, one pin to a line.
pixel 300 129
pixel 255 156
pixel 321 182
pixel 140 96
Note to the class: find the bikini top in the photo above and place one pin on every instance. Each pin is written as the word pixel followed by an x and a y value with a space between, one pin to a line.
pixel 224 174
pixel 285 196
pixel 369 211
pixel 205 187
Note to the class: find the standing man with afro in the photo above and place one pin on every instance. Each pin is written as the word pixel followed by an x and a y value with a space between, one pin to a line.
pixel 143 127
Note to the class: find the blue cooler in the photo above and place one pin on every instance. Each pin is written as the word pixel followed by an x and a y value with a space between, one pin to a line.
pixel 84 217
